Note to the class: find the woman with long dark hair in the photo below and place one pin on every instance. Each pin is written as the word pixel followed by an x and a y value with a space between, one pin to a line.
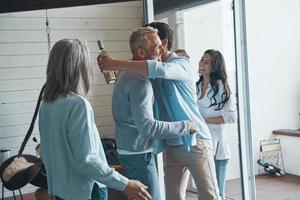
pixel 71 148
pixel 216 105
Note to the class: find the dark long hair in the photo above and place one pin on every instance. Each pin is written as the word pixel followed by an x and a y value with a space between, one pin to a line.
pixel 164 32
pixel 218 73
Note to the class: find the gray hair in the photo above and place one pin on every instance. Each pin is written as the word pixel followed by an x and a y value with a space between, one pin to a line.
pixel 68 69
pixel 139 37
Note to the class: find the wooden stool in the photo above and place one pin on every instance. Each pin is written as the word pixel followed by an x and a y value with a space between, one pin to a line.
pixel 114 194
pixel 42 194
pixel 118 168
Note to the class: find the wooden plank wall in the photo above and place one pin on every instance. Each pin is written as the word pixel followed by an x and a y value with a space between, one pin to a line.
pixel 24 54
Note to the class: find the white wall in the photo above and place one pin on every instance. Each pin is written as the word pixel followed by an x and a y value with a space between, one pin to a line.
pixel 24 54
pixel 290 149
pixel 273 31
pixel 203 30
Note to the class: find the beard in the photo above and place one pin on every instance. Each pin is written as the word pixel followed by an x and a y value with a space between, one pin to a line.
pixel 153 57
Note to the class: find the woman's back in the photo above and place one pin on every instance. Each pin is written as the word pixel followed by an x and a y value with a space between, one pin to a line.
pixel 65 126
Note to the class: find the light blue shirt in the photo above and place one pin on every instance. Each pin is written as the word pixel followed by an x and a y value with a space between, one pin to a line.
pixel 71 149
pixel 176 82
pixel 132 108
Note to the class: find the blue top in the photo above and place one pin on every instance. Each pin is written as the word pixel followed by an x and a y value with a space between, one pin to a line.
pixel 132 108
pixel 175 81
pixel 71 149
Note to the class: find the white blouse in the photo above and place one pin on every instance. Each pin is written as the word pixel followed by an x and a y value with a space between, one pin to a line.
pixel 229 114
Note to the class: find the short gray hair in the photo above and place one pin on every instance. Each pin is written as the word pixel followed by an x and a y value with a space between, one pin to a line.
pixel 139 37
pixel 68 70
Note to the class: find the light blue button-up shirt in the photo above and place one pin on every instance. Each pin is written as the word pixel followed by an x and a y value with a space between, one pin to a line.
pixel 72 151
pixel 176 82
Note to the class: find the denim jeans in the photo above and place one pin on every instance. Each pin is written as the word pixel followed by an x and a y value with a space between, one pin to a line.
pixel 142 167
pixel 221 166
pixel 97 193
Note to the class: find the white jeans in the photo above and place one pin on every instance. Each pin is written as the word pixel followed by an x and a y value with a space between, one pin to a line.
pixel 200 162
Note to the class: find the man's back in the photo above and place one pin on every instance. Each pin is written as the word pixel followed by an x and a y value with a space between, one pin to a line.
pixel 176 95
pixel 126 109
pixel 132 107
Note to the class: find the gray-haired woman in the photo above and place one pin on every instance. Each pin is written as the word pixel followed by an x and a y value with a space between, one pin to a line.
pixel 70 144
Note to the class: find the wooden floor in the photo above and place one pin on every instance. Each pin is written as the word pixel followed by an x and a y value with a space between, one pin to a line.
pixel 267 187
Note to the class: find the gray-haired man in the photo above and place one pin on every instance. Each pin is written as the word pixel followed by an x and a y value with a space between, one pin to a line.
pixel 175 87
pixel 132 107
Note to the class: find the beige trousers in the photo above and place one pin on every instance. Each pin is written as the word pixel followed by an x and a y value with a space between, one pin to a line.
pixel 200 162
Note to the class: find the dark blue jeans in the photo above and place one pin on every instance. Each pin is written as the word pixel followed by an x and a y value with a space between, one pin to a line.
pixel 142 167
pixel 97 193
pixel 221 166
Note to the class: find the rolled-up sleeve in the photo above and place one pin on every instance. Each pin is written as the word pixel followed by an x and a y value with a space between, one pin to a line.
pixel 229 112
pixel 84 147
pixel 173 70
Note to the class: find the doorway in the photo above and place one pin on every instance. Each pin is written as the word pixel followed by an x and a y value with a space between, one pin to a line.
pixel 202 27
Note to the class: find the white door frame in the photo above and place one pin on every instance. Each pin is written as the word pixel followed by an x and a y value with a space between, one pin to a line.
pixel 149 17
pixel 246 151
